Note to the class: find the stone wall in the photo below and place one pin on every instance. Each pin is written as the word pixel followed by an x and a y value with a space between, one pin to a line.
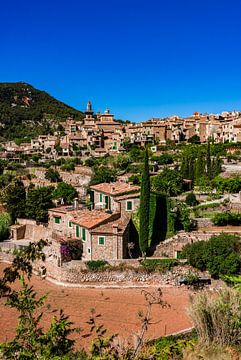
pixel 203 223
pixel 28 229
pixel 74 273
pixel 171 247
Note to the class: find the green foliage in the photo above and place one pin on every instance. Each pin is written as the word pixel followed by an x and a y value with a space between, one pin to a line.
pixel 103 174
pixel 144 206
pixel 38 201
pixel 52 175
pixel 227 218
pixel 208 206
pixel 135 179
pixel 30 121
pixel 19 141
pixel 171 347
pixel 229 185
pixel 208 161
pixel 66 192
pixel 159 264
pixel 195 139
pixel 14 196
pixel 191 199
pixel 5 221
pixel 163 159
pixel 198 165
pixel 168 182
pixel 95 265
pixel 220 255
pixel 68 166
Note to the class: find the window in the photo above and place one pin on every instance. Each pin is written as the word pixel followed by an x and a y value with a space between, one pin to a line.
pixel 129 205
pixel 83 234
pixel 57 220
pixel 77 231
pixel 107 202
pixel 89 251
pixel 70 224
pixel 101 240
pixel 101 197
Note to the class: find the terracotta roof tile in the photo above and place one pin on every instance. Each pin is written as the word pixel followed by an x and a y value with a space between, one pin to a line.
pixel 90 219
pixel 116 188
pixel 110 227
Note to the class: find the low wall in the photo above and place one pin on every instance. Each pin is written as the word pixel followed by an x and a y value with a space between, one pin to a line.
pixel 74 274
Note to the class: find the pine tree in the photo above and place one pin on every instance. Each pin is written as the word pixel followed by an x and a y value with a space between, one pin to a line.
pixel 144 206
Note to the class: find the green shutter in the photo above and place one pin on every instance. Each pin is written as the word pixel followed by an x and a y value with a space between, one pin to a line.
pixel 129 205
pixel 83 234
pixel 101 197
pixel 107 202
pixel 101 240
pixel 57 220
pixel 70 224
pixel 77 231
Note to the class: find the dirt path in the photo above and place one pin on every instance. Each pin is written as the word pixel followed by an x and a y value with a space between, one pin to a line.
pixel 118 309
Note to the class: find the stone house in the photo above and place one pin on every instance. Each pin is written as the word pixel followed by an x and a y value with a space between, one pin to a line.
pixel 117 197
pixel 102 235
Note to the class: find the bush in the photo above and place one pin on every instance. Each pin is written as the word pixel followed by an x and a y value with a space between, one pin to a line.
pixel 5 221
pixel 159 264
pixel 191 199
pixel 220 255
pixel 95 265
pixel 223 219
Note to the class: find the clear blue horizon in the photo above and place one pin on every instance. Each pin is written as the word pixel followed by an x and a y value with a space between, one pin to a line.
pixel 139 58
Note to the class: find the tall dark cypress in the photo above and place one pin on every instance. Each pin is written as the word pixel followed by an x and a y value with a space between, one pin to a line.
pixel 209 175
pixel 144 206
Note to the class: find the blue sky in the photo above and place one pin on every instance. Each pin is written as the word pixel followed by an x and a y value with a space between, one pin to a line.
pixel 140 58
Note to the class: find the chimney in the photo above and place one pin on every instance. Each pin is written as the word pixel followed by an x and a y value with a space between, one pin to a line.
pixel 76 204
pixel 115 228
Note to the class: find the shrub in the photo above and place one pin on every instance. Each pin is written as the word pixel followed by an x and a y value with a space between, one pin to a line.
pixel 159 264
pixel 191 199
pixel 223 219
pixel 5 221
pixel 94 265
pixel 217 319
pixel 219 255
pixel 196 254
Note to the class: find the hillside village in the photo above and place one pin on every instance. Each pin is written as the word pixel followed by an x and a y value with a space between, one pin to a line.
pixel 78 189
pixel 100 223
pixel 100 134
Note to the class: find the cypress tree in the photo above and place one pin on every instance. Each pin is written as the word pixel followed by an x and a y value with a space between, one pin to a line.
pixel 199 166
pixel 144 206
pixel 209 175
pixel 185 167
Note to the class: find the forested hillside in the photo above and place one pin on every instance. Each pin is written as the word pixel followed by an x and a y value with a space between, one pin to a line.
pixel 27 111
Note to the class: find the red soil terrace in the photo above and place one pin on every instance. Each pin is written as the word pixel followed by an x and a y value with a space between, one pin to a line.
pixel 118 309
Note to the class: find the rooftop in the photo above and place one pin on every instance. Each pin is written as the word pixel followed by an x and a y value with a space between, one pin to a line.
pixel 90 219
pixel 116 188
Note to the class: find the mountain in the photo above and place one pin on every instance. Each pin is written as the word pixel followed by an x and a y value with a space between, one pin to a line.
pixel 26 111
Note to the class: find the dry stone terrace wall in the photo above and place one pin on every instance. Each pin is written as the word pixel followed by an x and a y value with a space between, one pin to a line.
pixel 75 273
